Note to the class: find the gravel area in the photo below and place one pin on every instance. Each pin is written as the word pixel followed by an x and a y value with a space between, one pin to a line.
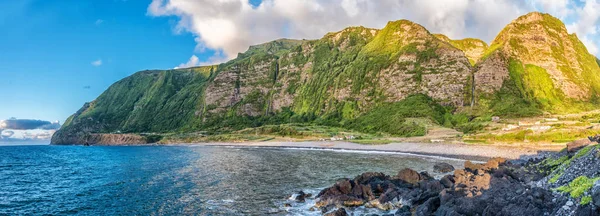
pixel 460 151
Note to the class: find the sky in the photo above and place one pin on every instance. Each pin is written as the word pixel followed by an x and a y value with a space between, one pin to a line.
pixel 55 55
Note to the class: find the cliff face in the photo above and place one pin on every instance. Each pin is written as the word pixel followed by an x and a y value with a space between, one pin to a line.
pixel 539 65
pixel 345 75
pixel 473 48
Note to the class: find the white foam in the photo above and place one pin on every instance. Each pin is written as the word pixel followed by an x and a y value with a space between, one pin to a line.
pixel 436 157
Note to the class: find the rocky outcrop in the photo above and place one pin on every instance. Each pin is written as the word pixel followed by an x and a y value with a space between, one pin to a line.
pixel 102 139
pixel 473 48
pixel 497 187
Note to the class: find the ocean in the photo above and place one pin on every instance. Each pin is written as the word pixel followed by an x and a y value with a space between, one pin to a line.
pixel 179 180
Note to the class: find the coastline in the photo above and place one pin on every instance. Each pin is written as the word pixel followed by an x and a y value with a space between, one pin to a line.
pixel 448 150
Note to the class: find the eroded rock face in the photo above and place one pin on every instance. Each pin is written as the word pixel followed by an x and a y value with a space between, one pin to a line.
pixel 491 74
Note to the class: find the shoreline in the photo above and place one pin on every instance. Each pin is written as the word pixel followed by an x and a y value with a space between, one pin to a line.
pixel 446 150
pixel 461 151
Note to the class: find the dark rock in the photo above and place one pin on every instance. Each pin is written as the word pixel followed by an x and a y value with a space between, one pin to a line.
pixel 447 181
pixel 596 195
pixel 327 208
pixel 404 211
pixel 287 205
pixel 339 212
pixel 425 176
pixel 443 167
pixel 409 176
pixel 429 207
pixel 345 193
pixel 301 197
pixel 389 195
pixel 587 210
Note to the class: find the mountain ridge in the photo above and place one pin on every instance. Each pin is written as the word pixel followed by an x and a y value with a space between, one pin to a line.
pixel 348 77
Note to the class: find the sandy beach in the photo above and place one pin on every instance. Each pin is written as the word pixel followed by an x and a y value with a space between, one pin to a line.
pixel 459 151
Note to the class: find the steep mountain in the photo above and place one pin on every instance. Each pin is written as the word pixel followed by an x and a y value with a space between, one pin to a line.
pixel 473 48
pixel 360 78
pixel 535 65
pixel 336 78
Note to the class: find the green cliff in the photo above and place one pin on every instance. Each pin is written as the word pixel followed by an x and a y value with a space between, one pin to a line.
pixel 364 79
pixel 534 65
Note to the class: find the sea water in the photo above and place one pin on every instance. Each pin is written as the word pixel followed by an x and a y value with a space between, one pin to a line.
pixel 176 180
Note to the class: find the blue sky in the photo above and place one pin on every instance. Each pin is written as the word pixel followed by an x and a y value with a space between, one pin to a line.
pixel 56 55
pixel 47 48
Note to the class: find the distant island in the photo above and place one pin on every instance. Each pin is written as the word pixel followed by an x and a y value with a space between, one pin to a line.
pixel 534 83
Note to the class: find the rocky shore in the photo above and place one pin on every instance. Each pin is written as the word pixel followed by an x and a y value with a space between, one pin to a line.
pixel 563 183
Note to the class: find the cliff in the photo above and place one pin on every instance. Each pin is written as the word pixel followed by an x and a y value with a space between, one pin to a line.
pixel 349 78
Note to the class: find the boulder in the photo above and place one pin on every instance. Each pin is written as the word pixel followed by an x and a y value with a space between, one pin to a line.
pixel 345 192
pixel 443 167
pixel 409 176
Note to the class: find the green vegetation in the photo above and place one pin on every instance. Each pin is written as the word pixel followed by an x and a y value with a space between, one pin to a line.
pixel 466 44
pixel 528 135
pixel 561 164
pixel 586 200
pixel 290 88
pixel 372 142
pixel 395 115
pixel 578 186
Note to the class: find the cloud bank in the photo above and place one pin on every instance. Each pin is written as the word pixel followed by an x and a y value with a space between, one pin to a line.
pixel 230 26
pixel 28 124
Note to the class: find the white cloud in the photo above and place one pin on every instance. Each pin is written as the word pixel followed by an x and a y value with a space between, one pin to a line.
pixel 230 26
pixel 558 8
pixel 192 62
pixel 99 22
pixel 97 63
pixel 586 24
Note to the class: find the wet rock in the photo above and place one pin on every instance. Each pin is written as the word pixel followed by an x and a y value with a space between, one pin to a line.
pixel 409 176
pixel 327 208
pixel 443 167
pixel 339 212
pixel 301 196
pixel 404 211
pixel 287 205
pixel 345 193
